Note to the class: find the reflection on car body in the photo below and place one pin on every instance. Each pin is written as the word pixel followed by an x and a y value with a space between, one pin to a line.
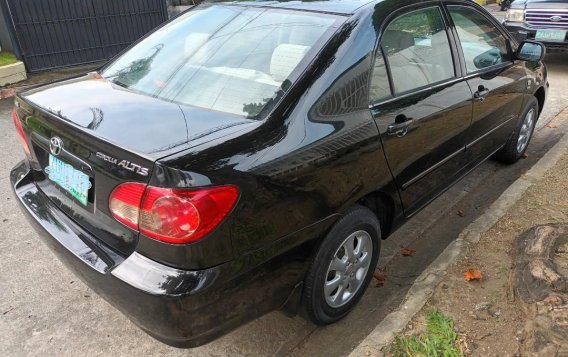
pixel 249 157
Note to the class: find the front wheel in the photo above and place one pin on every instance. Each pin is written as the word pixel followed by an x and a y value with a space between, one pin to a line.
pixel 342 267
pixel 518 143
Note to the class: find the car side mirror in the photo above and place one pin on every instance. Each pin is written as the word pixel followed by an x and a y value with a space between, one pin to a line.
pixel 531 51
pixel 488 58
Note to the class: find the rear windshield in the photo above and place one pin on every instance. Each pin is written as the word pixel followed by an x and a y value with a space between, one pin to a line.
pixel 232 59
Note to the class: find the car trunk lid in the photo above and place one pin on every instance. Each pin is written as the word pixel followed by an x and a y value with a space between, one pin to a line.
pixel 105 136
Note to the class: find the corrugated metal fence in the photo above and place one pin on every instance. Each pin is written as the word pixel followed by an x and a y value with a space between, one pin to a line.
pixel 61 33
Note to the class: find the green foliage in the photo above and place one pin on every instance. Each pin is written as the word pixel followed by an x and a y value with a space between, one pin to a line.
pixel 438 341
pixel 7 58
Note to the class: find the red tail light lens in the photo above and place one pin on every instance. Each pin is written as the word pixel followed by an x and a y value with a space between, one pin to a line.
pixel 21 133
pixel 176 216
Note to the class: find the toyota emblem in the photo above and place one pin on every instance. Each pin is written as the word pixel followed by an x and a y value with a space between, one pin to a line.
pixel 55 145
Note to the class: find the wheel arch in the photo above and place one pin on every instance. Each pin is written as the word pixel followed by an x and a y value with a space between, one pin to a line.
pixel 382 205
pixel 540 96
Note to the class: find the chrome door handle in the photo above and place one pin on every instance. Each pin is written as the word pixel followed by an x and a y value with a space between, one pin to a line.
pixel 399 129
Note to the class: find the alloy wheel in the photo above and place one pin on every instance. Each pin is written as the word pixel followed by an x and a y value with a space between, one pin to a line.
pixel 348 268
pixel 526 131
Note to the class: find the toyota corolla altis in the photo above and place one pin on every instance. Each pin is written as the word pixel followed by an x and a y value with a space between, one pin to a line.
pixel 249 157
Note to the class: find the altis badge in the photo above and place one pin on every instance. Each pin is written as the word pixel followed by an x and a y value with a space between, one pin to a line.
pixel 125 164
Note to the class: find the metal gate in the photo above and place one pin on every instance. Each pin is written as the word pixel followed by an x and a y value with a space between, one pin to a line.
pixel 61 33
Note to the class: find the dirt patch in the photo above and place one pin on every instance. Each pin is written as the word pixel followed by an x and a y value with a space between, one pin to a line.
pixel 493 317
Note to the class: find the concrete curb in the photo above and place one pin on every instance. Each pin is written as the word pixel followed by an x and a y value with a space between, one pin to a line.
pixel 9 77
pixel 424 286
pixel 12 73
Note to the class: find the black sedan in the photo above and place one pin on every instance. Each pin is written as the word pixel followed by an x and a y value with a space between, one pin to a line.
pixel 248 157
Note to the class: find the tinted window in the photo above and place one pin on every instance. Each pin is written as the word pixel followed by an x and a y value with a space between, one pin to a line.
pixel 482 43
pixel 231 59
pixel 417 50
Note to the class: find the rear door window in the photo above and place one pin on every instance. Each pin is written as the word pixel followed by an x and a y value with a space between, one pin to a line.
pixel 417 50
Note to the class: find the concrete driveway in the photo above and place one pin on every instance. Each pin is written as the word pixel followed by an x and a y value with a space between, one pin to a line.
pixel 45 310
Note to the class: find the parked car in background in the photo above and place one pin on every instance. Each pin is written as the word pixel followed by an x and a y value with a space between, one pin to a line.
pixel 541 20
pixel 250 156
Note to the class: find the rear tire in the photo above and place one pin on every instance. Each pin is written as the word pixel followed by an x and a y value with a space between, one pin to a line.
pixel 519 141
pixel 342 267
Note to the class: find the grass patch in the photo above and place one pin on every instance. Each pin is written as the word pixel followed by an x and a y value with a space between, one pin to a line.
pixel 7 58
pixel 439 339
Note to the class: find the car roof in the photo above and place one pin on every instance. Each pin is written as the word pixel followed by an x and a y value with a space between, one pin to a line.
pixel 329 6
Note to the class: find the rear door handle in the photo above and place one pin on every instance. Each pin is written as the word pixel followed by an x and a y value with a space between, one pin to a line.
pixel 481 93
pixel 400 127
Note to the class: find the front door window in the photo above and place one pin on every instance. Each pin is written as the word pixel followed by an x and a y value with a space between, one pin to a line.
pixel 483 45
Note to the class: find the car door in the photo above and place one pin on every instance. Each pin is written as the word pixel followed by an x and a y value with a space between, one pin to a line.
pixel 493 76
pixel 420 104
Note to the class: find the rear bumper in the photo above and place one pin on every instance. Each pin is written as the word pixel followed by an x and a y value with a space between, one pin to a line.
pixel 178 307
pixel 522 32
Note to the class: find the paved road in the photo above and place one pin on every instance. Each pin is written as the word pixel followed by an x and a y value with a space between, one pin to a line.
pixel 47 311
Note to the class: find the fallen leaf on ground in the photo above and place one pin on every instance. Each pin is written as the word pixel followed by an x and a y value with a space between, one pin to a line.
pixel 552 126
pixel 473 274
pixel 461 213
pixel 407 252
pixel 525 155
pixel 380 278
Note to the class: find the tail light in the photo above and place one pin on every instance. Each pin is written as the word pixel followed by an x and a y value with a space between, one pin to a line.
pixel 171 215
pixel 21 134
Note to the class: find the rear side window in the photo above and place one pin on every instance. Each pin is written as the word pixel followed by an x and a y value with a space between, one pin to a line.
pixel 482 43
pixel 417 50
pixel 231 59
